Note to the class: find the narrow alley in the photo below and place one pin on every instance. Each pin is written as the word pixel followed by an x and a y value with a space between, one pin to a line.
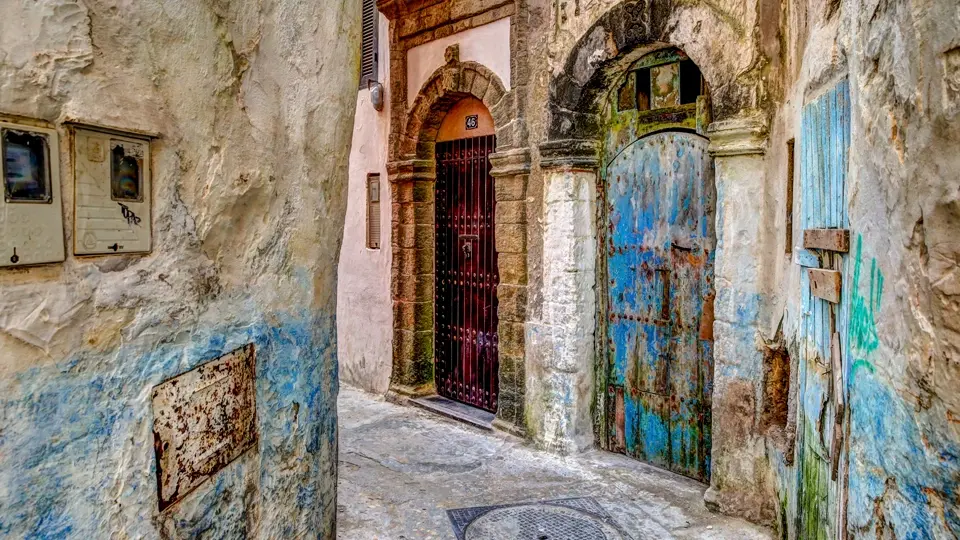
pixel 402 468
pixel 671 269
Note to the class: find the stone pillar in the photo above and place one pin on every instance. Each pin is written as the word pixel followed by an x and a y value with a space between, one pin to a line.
pixel 740 482
pixel 560 352
pixel 511 169
pixel 412 278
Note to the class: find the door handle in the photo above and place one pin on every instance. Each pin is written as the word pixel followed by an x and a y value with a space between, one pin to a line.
pixel 467 241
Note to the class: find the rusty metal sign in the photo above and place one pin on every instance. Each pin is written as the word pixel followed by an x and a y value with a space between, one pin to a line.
pixel 203 420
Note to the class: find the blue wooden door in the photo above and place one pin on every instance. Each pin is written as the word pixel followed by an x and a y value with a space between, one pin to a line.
pixel 659 257
pixel 824 147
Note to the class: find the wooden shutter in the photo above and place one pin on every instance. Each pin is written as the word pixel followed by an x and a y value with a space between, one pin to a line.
pixel 368 61
pixel 373 211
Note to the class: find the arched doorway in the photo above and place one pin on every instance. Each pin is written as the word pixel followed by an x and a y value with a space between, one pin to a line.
pixel 466 366
pixel 658 237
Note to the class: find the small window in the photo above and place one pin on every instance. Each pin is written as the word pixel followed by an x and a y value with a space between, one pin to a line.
pixel 691 82
pixel 126 162
pixel 789 215
pixel 26 166
pixel 643 89
pixel 369 45
pixel 373 211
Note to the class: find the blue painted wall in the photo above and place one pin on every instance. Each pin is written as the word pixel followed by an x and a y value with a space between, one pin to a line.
pixel 72 431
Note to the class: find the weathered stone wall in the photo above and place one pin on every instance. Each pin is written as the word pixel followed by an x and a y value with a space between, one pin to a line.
pixel 901 280
pixel 764 61
pixel 254 102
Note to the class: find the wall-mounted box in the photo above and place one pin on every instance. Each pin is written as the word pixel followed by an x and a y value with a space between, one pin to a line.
pixel 31 209
pixel 113 190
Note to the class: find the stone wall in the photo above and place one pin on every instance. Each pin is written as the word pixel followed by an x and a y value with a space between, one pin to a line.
pixel 254 103
pixel 764 61
pixel 901 281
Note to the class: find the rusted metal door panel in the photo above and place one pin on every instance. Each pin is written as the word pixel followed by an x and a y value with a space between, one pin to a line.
pixel 824 146
pixel 660 250
pixel 466 340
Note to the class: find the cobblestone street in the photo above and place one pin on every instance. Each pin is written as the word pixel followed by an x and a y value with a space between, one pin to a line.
pixel 402 468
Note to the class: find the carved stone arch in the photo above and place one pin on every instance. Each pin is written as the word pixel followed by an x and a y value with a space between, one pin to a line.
pixel 412 173
pixel 447 85
pixel 569 162
pixel 626 32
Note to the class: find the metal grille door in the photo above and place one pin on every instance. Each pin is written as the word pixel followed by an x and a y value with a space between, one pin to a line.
pixel 466 274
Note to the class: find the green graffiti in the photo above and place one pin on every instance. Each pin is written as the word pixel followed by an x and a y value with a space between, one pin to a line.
pixel 864 338
pixel 863 364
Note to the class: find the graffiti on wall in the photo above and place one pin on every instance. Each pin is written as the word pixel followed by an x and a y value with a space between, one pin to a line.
pixel 863 336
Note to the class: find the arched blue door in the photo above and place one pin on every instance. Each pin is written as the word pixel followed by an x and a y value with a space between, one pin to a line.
pixel 660 240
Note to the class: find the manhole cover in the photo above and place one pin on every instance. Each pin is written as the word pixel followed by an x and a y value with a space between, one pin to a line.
pixel 566 519
pixel 539 522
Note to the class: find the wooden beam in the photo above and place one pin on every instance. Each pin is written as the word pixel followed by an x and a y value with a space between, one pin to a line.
pixel 829 239
pixel 825 284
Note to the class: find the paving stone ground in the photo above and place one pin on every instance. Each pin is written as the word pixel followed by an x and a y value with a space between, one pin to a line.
pixel 402 468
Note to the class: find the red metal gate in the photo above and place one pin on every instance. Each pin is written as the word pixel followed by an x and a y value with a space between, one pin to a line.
pixel 466 274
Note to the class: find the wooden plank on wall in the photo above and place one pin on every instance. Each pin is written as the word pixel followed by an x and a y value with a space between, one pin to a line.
pixel 825 284
pixel 829 239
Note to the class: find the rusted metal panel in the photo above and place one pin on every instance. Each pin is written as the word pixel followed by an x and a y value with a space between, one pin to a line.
pixel 659 258
pixel 203 420
pixel 829 239
pixel 466 343
pixel 825 284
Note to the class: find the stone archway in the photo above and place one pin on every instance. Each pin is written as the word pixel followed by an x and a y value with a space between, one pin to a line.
pixel 412 174
pixel 570 164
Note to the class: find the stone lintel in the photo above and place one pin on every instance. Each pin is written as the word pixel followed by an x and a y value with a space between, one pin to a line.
pixel 510 162
pixel 741 136
pixel 394 9
pixel 570 154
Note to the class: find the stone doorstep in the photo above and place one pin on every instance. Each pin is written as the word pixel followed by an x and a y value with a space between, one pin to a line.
pixel 418 396
pixel 455 410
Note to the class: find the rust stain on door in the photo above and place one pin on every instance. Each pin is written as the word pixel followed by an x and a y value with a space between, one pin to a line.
pixel 203 420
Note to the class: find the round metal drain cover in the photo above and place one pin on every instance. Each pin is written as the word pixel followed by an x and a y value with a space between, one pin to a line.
pixel 539 522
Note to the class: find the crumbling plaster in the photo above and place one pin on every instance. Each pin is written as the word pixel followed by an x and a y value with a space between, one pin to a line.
pixel 254 103
pixel 763 63
pixel 901 280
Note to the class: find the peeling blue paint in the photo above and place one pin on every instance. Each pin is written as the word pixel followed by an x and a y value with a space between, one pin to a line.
pixel 659 254
pixel 910 469
pixel 77 451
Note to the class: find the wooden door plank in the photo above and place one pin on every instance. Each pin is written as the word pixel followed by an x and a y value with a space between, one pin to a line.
pixel 828 239
pixel 825 284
